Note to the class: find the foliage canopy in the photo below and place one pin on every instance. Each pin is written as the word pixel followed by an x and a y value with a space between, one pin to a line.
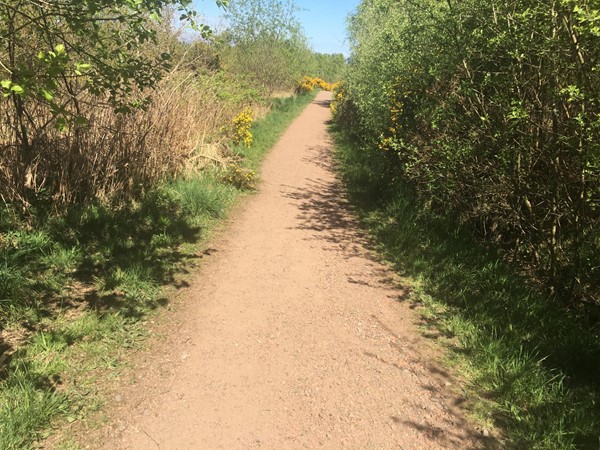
pixel 266 42
pixel 491 111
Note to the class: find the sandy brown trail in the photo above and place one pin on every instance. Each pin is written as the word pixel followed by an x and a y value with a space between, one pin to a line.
pixel 293 335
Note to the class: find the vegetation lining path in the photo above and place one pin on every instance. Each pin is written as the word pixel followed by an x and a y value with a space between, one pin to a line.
pixel 294 335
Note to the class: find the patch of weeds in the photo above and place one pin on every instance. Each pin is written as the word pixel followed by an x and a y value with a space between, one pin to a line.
pixel 203 198
pixel 533 364
pixel 30 392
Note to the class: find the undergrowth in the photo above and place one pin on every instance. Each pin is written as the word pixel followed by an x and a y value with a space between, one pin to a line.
pixel 533 367
pixel 77 288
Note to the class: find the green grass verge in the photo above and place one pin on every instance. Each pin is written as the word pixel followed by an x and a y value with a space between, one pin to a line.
pixel 533 367
pixel 78 287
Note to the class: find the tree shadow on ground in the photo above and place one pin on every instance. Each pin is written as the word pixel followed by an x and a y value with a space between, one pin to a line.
pixel 447 438
pixel 439 386
pixel 129 253
pixel 323 103
pixel 325 211
pixel 123 258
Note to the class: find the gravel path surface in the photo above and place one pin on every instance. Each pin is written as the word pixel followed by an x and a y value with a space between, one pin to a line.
pixel 293 334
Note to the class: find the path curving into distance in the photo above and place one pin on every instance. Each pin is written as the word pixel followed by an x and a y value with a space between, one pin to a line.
pixel 293 334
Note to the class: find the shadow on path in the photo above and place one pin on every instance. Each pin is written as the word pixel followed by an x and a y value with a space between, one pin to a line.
pixel 324 210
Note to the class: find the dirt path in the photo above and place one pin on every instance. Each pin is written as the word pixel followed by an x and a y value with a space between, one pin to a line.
pixel 293 335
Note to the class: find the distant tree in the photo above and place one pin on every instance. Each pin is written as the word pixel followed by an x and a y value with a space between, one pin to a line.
pixel 329 67
pixel 267 42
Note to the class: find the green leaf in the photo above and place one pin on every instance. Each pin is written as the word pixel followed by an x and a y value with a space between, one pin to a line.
pixel 61 124
pixel 17 89
pixel 47 95
pixel 5 84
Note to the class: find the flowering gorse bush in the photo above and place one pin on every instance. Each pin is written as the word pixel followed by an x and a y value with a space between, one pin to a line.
pixel 240 177
pixel 308 84
pixel 399 101
pixel 241 127
pixel 305 86
pixel 338 98
pixel 342 108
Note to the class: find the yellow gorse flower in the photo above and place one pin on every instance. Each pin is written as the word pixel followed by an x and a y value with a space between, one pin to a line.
pixel 308 84
pixel 240 177
pixel 241 127
pixel 398 96
pixel 338 98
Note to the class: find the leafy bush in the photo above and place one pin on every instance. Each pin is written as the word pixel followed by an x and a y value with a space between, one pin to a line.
pixel 492 123
pixel 266 43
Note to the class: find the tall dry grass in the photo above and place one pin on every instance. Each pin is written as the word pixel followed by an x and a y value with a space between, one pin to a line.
pixel 116 155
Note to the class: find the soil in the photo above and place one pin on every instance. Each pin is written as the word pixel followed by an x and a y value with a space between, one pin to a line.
pixel 292 335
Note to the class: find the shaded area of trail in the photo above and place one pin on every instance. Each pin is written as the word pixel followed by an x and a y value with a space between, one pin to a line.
pixel 294 335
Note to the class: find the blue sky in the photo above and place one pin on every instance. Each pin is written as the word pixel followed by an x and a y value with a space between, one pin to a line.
pixel 324 21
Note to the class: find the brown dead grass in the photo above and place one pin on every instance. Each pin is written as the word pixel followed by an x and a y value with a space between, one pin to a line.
pixel 117 155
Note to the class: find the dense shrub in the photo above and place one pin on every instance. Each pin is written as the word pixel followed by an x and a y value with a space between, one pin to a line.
pixel 308 84
pixel 491 111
